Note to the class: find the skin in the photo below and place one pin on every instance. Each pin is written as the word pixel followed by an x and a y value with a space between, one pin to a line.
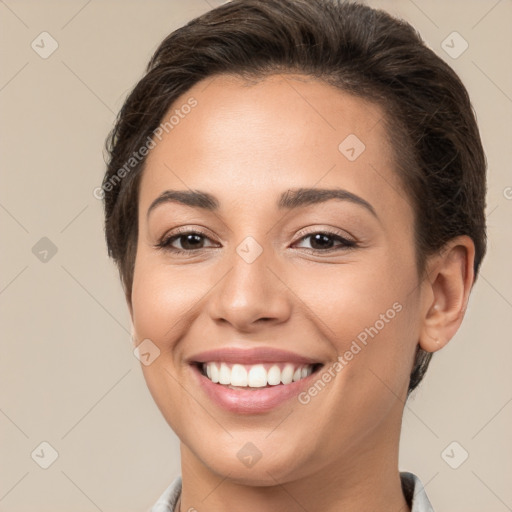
pixel 246 144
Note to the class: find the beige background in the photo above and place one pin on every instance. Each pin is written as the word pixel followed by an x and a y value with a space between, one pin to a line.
pixel 68 373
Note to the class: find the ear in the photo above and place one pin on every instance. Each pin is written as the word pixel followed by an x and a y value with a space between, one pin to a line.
pixel 448 283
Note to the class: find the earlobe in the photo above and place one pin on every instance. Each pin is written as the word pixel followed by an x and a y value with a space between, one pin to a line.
pixel 447 289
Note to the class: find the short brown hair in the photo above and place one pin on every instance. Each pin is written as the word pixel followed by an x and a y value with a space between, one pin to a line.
pixel 361 50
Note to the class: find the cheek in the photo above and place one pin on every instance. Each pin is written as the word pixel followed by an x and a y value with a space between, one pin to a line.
pixel 368 312
pixel 162 298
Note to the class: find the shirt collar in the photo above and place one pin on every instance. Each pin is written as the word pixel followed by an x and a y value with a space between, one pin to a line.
pixel 412 488
pixel 414 493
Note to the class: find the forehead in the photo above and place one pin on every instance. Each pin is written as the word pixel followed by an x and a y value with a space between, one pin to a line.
pixel 247 140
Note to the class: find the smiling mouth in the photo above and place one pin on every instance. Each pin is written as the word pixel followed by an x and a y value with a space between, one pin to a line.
pixel 255 376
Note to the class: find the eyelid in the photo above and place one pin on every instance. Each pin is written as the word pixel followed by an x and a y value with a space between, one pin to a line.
pixel 165 241
pixel 344 243
pixel 300 234
pixel 328 230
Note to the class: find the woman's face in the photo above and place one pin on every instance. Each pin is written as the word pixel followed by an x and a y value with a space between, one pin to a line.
pixel 331 280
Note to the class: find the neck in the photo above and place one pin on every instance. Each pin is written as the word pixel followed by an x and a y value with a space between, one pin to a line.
pixel 366 480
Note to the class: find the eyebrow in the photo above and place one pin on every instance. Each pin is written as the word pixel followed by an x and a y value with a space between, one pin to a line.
pixel 292 198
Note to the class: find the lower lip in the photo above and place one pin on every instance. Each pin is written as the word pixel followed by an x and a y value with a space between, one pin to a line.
pixel 251 401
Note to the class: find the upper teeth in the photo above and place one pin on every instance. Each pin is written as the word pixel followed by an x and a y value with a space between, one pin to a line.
pixel 257 375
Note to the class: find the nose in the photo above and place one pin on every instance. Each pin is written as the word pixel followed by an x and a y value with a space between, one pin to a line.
pixel 251 294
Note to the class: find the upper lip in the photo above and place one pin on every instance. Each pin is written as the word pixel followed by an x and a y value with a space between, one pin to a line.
pixel 251 356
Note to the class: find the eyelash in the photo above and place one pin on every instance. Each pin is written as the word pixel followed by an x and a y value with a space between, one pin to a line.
pixel 166 241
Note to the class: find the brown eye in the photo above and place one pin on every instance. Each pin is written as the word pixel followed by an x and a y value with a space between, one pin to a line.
pixel 184 242
pixel 188 242
pixel 325 241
